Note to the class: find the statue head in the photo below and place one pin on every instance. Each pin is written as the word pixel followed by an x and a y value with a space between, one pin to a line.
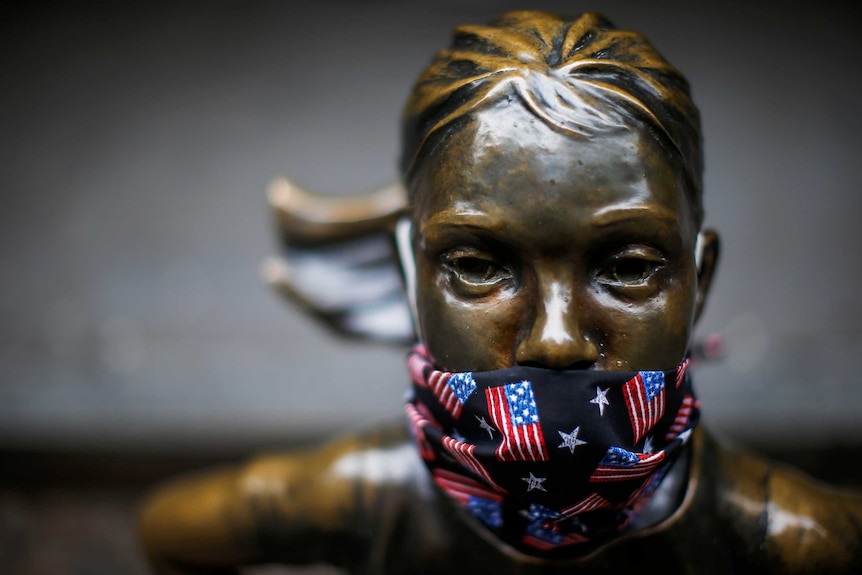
pixel 554 170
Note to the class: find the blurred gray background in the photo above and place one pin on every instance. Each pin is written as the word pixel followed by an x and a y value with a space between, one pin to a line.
pixel 137 140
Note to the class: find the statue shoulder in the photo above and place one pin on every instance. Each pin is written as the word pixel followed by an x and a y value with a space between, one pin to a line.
pixel 794 522
pixel 364 502
pixel 320 504
pixel 339 479
pixel 812 524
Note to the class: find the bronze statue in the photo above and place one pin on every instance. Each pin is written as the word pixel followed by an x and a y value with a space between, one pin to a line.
pixel 550 240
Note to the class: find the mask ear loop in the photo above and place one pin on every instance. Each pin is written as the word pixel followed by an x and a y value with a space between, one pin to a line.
pixel 408 267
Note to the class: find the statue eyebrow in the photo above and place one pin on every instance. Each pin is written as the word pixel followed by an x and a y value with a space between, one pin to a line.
pixel 450 220
pixel 613 215
pixel 461 218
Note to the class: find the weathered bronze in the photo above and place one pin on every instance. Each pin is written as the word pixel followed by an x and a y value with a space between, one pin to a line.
pixel 553 170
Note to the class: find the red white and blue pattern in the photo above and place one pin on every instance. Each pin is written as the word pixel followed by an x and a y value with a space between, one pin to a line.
pixel 644 396
pixel 619 464
pixel 483 503
pixel 546 536
pixel 683 414
pixel 464 453
pixel 513 409
pixel 416 364
pixel 462 488
pixel 451 389
pixel 589 503
pixel 417 422
pixel 543 531
pixel 483 436
pixel 681 371
pixel 637 500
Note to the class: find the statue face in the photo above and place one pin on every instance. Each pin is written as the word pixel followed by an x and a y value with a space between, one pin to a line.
pixel 539 248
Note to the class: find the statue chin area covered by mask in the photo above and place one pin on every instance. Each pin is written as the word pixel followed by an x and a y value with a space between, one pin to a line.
pixel 543 259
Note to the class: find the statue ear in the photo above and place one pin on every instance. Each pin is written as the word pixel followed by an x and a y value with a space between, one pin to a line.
pixel 706 258
pixel 404 247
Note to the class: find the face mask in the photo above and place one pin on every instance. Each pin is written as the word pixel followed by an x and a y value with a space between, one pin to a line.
pixel 548 459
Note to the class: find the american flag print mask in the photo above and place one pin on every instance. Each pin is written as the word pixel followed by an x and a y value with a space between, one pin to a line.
pixel 547 459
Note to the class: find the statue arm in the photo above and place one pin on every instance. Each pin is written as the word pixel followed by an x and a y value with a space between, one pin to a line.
pixel 283 508
pixel 812 527
pixel 198 524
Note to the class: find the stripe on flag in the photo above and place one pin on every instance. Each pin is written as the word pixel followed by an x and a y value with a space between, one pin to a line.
pixel 513 409
pixel 644 395
pixel 543 537
pixel 461 488
pixel 482 502
pixel 620 465
pixel 463 452
pixel 417 424
pixel 681 419
pixel 635 497
pixel 416 365
pixel 589 503
pixel 680 372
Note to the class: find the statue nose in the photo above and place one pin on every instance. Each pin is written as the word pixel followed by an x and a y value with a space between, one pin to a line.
pixel 555 339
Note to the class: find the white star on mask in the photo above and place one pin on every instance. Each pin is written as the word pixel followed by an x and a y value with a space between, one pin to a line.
pixel 571 440
pixel 601 399
pixel 486 426
pixel 534 482
pixel 648 448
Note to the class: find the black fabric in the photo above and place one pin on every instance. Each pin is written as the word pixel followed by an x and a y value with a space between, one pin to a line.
pixel 546 458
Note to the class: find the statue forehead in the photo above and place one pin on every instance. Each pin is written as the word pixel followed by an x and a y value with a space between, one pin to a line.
pixel 505 154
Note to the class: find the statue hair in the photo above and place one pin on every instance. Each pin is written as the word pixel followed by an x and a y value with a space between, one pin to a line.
pixel 580 77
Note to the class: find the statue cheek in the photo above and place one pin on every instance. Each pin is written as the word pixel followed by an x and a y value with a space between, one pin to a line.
pixel 468 336
pixel 650 336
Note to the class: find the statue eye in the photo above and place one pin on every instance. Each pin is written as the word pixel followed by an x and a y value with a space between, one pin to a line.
pixel 632 267
pixel 475 271
pixel 631 270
